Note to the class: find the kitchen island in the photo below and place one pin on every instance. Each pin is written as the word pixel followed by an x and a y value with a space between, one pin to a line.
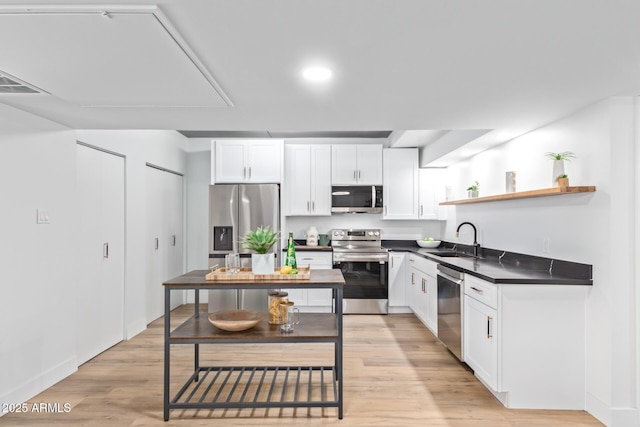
pixel 264 386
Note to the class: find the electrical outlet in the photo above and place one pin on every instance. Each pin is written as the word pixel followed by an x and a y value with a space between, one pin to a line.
pixel 545 245
pixel 42 216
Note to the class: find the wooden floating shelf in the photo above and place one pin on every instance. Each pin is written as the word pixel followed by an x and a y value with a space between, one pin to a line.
pixel 554 191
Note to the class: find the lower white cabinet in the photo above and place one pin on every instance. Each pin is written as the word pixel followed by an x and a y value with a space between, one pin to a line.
pixel 313 300
pixel 526 343
pixel 423 291
pixel 481 341
pixel 398 288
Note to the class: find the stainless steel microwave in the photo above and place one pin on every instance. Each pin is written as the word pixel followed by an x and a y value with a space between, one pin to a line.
pixel 356 198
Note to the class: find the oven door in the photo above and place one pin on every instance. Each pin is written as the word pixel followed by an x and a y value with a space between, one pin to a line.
pixel 366 290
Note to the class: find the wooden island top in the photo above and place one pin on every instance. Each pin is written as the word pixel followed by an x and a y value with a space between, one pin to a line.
pixel 318 279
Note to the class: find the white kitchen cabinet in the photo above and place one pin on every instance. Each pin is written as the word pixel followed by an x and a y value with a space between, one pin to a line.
pixel 356 164
pixel 313 300
pixel 400 174
pixel 164 243
pixel 423 290
pixel 397 278
pixel 431 193
pixel 246 161
pixel 481 341
pixel 526 343
pixel 307 183
pixel 101 249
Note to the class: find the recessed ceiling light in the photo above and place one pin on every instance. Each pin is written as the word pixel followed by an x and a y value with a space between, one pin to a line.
pixel 317 74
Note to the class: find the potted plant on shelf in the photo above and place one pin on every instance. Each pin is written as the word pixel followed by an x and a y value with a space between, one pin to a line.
pixel 260 241
pixel 473 190
pixel 563 180
pixel 558 163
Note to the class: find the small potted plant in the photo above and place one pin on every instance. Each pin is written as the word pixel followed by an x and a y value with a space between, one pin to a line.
pixel 260 241
pixel 563 180
pixel 473 190
pixel 558 163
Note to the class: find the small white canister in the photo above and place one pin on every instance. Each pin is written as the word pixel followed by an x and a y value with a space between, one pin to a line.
pixel 312 236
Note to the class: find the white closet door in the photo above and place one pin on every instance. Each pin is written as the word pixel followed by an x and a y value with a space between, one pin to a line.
pixel 100 286
pixel 164 221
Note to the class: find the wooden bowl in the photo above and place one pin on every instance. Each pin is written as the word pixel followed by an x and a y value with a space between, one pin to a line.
pixel 235 320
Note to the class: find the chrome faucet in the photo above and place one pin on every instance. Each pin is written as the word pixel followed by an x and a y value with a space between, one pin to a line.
pixel 475 236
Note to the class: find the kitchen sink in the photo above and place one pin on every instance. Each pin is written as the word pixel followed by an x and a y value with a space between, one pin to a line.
pixel 451 254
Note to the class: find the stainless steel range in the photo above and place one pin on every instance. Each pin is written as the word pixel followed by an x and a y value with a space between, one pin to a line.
pixel 359 255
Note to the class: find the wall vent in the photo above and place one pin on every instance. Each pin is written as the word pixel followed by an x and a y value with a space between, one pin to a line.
pixel 10 84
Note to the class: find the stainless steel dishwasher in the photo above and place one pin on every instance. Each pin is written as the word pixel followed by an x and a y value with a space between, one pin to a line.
pixel 450 290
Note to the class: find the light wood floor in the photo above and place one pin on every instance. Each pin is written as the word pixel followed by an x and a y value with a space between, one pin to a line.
pixel 396 374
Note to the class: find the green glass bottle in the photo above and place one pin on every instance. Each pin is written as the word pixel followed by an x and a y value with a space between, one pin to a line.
pixel 291 253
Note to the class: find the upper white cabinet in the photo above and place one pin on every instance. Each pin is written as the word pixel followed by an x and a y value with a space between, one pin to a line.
pixel 246 161
pixel 356 164
pixel 307 179
pixel 431 193
pixel 400 172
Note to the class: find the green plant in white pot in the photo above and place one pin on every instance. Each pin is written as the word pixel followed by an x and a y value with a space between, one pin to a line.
pixel 473 190
pixel 558 163
pixel 260 241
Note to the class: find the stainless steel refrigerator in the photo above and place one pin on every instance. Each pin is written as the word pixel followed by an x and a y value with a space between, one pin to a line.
pixel 235 209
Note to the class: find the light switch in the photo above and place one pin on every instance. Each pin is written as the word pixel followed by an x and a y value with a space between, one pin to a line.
pixel 43 216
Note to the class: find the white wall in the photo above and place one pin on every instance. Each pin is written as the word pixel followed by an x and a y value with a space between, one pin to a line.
pixel 594 228
pixel 37 313
pixel 37 299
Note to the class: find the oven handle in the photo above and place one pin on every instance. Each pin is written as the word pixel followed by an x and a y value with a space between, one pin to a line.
pixel 382 258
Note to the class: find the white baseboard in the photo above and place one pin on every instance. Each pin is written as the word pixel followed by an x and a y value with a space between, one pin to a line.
pixel 625 417
pixel 40 382
pixel 599 410
pixel 135 329
pixel 400 310
pixel 612 417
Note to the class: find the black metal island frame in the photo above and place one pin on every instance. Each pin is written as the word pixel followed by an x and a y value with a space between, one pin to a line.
pixel 211 387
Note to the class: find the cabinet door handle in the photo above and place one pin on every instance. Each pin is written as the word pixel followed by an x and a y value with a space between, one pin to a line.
pixel 313 205
pixel 424 285
pixel 355 175
pixel 392 262
pixel 244 172
pixel 480 291
pixel 421 210
pixel 249 172
pixel 308 210
pixel 157 243
pixel 359 174
pixel 105 250
pixel 412 278
pixel 489 320
pixel 174 240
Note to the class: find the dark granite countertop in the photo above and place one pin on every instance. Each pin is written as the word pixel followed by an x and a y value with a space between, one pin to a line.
pixel 502 267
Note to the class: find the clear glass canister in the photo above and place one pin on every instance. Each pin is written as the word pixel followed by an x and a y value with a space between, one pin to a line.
pixel 277 315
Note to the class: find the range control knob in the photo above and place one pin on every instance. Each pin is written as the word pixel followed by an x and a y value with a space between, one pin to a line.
pixel 377 233
pixel 371 233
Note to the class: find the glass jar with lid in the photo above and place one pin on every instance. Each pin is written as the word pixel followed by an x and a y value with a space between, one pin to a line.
pixel 277 315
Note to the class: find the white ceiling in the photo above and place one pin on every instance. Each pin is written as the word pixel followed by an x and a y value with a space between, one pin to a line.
pixel 497 67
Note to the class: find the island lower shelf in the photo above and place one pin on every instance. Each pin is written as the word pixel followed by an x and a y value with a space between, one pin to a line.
pixel 259 387
pixel 315 327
